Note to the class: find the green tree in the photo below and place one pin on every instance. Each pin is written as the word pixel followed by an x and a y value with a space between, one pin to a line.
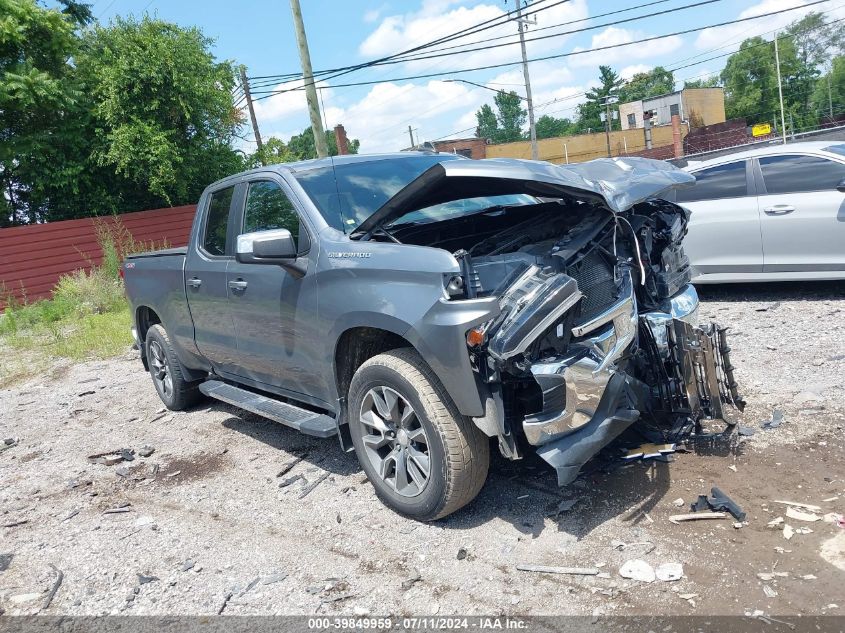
pixel 162 110
pixel 505 126
pixel 273 151
pixel 751 83
pixel 589 112
pixel 708 82
pixel 302 146
pixel 550 127
pixel 488 126
pixel 655 82
pixel 829 92
pixel 36 98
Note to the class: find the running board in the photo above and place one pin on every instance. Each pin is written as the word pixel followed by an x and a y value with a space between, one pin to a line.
pixel 302 420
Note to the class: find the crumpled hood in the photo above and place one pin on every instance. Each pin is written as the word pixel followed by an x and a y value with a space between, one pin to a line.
pixel 618 183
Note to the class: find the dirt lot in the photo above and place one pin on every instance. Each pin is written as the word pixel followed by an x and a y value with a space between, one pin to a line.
pixel 203 525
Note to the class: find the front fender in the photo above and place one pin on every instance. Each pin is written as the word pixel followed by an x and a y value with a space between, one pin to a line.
pixel 440 338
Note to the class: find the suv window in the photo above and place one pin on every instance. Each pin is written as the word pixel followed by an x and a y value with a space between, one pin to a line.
pixel 268 208
pixel 217 222
pixel 722 181
pixel 794 173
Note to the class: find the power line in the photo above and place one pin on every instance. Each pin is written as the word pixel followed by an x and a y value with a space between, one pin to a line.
pixel 267 94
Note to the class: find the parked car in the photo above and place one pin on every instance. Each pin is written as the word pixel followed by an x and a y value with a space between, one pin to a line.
pixel 770 214
pixel 422 306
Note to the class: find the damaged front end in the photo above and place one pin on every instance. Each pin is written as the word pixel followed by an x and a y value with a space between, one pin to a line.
pixel 598 324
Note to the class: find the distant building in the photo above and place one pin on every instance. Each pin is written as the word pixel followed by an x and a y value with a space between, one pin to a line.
pixel 695 106
pixel 472 147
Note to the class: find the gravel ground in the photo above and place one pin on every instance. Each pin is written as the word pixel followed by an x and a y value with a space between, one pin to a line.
pixel 202 525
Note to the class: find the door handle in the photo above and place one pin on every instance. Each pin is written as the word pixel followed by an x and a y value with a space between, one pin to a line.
pixel 239 284
pixel 779 209
pixel 195 282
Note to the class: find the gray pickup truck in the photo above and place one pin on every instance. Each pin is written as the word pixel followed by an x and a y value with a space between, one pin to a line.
pixel 423 306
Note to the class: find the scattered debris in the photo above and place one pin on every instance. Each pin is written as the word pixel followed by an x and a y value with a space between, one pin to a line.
pixel 795 504
pixel 637 569
pixel 226 599
pixel 732 467
pixel 775 522
pixel 745 431
pixel 669 572
pixel 5 561
pixel 72 514
pixel 188 565
pixel 573 571
pixel 143 580
pixel 307 489
pixel 174 473
pixel 287 482
pixel 274 578
pixel 648 451
pixel 119 510
pixel 830 499
pixel 622 545
pixel 678 503
pixel 696 516
pixel 771 306
pixel 16 523
pixel 775 422
pixel 808 577
pixel 566 505
pixel 9 442
pixel 719 502
pixel 123 471
pixel 289 466
pixel 462 553
pixel 806 397
pixel 803 530
pixel 798 515
pixel 788 531
pixel 55 588
pixel 413 579
pixel 251 585
pixel 146 450
pixel 770 593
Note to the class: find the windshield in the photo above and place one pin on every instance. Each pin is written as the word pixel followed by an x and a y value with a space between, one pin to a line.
pixel 457 208
pixel 836 149
pixel 349 193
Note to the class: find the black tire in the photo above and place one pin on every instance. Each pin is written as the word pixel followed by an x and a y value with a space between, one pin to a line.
pixel 458 452
pixel 181 394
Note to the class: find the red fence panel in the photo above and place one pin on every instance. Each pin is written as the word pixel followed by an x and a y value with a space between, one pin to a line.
pixel 34 256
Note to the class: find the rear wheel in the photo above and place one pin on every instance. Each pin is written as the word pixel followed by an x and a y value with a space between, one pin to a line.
pixel 175 392
pixel 424 459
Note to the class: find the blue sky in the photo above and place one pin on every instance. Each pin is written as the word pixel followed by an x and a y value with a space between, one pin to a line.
pixel 260 35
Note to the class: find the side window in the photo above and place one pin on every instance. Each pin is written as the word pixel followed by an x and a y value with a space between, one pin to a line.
pixel 632 120
pixel 217 222
pixel 268 208
pixel 722 181
pixel 791 174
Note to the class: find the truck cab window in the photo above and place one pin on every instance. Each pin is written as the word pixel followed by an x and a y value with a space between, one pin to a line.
pixel 268 208
pixel 217 223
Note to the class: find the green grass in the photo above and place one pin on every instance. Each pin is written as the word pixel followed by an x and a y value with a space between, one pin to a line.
pixel 86 318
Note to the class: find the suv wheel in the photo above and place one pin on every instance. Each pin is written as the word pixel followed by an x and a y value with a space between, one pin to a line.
pixel 175 392
pixel 424 459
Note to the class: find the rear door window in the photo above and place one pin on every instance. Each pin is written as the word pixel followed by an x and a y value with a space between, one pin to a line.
pixel 722 181
pixel 217 222
pixel 796 173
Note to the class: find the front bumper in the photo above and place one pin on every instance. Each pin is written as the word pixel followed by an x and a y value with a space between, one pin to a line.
pixel 588 401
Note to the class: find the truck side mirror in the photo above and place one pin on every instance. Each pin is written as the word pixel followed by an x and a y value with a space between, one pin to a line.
pixel 841 186
pixel 266 247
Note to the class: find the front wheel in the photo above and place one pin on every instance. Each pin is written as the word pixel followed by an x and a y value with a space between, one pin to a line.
pixel 175 392
pixel 424 459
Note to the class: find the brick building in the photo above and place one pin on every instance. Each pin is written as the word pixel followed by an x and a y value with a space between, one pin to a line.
pixel 472 147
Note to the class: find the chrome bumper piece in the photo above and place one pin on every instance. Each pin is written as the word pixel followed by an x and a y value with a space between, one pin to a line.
pixel 573 385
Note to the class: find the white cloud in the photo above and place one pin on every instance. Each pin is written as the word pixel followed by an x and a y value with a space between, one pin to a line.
pixel 285 104
pixel 435 20
pixel 613 36
pixel 733 34
pixel 629 71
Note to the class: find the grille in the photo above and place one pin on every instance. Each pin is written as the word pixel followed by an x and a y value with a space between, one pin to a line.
pixel 594 275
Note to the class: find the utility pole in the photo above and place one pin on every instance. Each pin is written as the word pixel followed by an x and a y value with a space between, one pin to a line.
pixel 535 154
pixel 411 134
pixel 829 97
pixel 780 90
pixel 308 79
pixel 607 122
pixel 245 85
